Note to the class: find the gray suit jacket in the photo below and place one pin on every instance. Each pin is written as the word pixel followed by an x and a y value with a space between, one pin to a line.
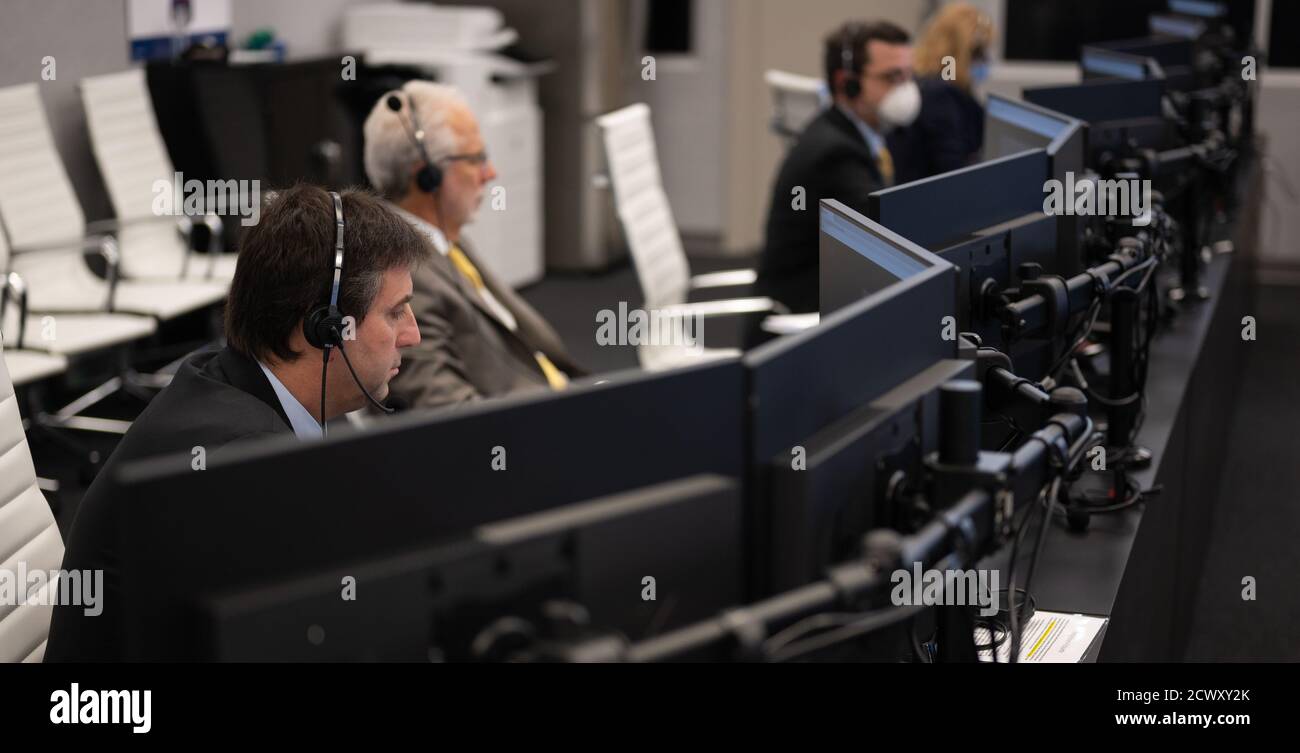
pixel 465 352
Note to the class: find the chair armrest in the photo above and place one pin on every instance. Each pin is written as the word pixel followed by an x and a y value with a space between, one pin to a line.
pixel 15 286
pixel 731 307
pixel 729 278
pixel 184 226
pixel 788 324
pixel 103 245
pixel 106 247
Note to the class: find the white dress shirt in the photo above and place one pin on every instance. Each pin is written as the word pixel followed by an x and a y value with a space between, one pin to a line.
pixel 303 423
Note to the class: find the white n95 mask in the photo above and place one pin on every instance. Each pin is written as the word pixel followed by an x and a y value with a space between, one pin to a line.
pixel 901 105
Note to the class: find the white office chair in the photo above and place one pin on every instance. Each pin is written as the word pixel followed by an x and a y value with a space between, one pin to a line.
pixel 62 334
pixel 654 242
pixel 47 229
pixel 131 155
pixel 28 533
pixel 796 100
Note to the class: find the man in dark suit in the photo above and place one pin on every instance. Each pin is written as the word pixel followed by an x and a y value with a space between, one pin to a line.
pixel 479 339
pixel 267 380
pixel 840 155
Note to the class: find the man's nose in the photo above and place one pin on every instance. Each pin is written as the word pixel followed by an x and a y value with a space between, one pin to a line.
pixel 410 333
pixel 489 171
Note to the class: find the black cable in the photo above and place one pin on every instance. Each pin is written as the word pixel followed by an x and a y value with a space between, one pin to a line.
pixel 1144 266
pixel 997 636
pixel 1042 537
pixel 324 373
pixel 1090 317
pixel 922 655
pixel 1135 497
pixel 361 386
pixel 1012 609
pixel 868 622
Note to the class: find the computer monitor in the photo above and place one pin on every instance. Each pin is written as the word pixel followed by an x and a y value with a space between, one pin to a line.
pixel 1173 25
pixel 1173 54
pixel 1119 114
pixel 942 210
pixel 1199 8
pixel 986 220
pixel 1013 125
pixel 802 383
pixel 289 507
pixel 1101 101
pixel 630 565
pixel 1098 62
pixel 851 480
pixel 858 258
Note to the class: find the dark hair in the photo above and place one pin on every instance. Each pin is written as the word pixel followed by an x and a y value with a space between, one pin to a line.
pixel 286 264
pixel 854 36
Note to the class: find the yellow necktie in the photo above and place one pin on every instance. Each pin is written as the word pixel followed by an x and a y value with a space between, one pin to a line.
pixel 885 161
pixel 466 267
pixel 554 377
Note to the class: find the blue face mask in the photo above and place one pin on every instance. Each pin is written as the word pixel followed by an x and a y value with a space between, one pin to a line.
pixel 979 72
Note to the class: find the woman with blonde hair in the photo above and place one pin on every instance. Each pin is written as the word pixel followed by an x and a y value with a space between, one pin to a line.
pixel 951 61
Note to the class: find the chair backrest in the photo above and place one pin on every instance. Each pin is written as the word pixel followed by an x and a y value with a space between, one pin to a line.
pixel 29 537
pixel 126 141
pixel 37 203
pixel 796 100
pixel 643 208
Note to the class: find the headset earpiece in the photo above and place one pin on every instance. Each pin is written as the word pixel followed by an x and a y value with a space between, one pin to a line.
pixel 323 327
pixel 852 80
pixel 429 177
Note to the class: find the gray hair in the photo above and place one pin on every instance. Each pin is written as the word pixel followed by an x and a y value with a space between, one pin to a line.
pixel 390 154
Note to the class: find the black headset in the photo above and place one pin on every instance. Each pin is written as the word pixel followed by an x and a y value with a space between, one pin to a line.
pixel 323 325
pixel 430 176
pixel 853 81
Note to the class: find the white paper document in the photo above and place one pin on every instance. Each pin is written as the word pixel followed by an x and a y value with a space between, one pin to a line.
pixel 1049 638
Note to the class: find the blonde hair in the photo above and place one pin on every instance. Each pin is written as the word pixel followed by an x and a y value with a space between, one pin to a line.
pixel 957 30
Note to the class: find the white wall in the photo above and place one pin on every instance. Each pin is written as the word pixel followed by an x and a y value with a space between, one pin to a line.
pixel 1277 116
pixel 688 104
pixel 95 44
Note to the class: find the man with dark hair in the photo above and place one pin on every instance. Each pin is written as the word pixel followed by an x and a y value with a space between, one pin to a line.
pixel 840 155
pixel 267 380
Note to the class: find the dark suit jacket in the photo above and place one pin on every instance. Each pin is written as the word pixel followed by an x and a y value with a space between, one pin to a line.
pixel 217 398
pixel 947 135
pixel 465 352
pixel 831 160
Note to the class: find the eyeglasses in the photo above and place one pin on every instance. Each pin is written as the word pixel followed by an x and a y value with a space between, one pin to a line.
pixel 477 159
pixel 893 77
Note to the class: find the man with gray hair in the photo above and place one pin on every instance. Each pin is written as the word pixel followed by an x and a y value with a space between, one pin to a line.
pixel 424 153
